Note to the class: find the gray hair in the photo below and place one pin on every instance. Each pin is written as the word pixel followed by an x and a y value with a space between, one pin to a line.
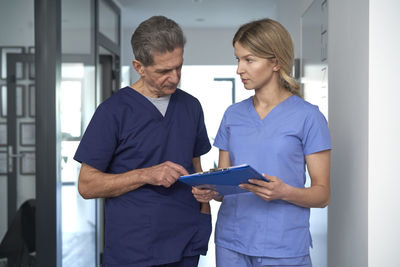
pixel 157 34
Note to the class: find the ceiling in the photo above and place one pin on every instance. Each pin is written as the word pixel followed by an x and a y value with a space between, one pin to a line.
pixel 197 13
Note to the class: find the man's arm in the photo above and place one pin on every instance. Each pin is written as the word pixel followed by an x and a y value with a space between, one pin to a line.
pixel 93 183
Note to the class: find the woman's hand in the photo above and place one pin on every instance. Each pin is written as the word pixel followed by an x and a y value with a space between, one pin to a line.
pixel 203 195
pixel 274 189
pixel 315 196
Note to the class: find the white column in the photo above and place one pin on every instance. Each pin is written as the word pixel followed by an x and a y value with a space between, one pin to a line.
pixel 349 125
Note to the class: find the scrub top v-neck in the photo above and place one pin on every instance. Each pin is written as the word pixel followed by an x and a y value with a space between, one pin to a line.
pixel 277 146
pixel 256 117
pixel 152 224
pixel 152 106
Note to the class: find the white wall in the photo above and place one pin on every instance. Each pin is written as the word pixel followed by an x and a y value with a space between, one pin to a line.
pixel 289 15
pixel 209 46
pixel 384 133
pixel 364 216
pixel 349 124
pixel 203 47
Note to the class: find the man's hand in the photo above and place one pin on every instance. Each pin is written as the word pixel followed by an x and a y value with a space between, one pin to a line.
pixel 204 195
pixel 164 174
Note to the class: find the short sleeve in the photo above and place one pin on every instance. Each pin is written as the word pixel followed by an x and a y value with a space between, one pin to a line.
pixel 316 136
pixel 99 140
pixel 202 142
pixel 222 138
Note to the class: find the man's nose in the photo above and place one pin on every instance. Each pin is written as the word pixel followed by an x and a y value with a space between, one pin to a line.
pixel 174 77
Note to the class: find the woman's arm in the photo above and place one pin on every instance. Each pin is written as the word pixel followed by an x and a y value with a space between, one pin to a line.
pixel 315 196
pixel 223 160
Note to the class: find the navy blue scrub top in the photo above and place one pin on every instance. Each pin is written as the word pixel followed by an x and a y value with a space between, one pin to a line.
pixel 151 225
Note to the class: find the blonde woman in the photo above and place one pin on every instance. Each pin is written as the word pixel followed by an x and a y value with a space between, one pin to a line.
pixel 279 134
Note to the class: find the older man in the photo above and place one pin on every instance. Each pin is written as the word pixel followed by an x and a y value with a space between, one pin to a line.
pixel 138 143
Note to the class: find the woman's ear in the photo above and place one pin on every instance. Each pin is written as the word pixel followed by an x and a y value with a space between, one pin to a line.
pixel 276 68
pixel 276 65
pixel 138 66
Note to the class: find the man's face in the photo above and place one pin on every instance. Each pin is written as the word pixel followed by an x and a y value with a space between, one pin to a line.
pixel 162 78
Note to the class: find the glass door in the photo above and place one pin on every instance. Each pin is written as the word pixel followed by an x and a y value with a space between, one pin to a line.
pixel 17 37
pixel 18 153
pixel 20 132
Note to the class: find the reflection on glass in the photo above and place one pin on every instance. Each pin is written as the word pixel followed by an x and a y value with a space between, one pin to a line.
pixel 108 20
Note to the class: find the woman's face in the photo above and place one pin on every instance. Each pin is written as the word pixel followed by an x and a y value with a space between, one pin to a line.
pixel 255 72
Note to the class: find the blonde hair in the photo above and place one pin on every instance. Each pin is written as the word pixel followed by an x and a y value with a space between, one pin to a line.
pixel 267 38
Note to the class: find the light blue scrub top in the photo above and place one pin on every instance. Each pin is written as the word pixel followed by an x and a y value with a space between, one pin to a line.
pixel 277 146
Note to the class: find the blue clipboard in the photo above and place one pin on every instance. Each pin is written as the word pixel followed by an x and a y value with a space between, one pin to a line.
pixel 225 181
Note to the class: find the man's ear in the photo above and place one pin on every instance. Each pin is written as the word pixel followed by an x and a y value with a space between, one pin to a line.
pixel 138 66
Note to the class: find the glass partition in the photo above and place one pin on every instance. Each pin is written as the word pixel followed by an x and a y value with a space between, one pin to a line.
pixel 77 27
pixel 78 215
pixel 109 21
pixel 17 122
pixel 77 104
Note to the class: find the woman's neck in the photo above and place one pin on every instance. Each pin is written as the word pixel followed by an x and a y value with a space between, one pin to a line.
pixel 270 97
